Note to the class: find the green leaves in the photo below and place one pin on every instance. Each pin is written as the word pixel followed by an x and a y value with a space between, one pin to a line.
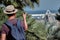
pixel 20 3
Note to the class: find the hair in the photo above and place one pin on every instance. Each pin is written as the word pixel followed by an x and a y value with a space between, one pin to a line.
pixel 9 15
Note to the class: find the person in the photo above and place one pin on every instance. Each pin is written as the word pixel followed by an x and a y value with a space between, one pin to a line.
pixel 54 30
pixel 13 28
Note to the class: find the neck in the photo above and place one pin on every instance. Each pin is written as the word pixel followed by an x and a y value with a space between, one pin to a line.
pixel 12 17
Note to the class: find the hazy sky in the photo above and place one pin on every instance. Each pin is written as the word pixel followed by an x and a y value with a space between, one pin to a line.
pixel 45 5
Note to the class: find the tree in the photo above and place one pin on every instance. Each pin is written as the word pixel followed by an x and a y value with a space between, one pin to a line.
pixel 20 3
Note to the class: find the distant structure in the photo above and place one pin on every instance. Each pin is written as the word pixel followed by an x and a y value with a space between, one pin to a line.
pixel 41 15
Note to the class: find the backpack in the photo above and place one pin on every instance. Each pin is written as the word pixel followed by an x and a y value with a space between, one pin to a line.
pixel 16 31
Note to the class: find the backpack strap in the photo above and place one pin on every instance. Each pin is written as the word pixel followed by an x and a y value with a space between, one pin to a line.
pixel 19 25
pixel 21 29
pixel 15 30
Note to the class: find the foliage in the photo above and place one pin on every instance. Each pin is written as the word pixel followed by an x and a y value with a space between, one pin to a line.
pixel 20 3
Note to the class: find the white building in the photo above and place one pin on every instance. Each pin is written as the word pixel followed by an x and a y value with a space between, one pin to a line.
pixel 41 15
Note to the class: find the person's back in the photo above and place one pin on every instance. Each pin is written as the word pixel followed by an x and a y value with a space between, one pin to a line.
pixel 13 29
pixel 14 22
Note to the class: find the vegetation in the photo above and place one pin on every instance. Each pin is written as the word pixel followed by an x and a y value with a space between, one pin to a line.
pixel 20 3
pixel 36 30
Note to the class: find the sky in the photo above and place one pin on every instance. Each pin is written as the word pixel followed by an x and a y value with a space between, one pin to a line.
pixel 45 5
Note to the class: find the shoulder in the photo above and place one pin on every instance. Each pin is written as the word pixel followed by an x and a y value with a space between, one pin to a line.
pixel 4 26
pixel 5 29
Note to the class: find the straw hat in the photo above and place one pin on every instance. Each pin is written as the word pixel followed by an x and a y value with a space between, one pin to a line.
pixel 10 9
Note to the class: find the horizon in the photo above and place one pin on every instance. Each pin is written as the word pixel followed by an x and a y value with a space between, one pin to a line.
pixel 41 11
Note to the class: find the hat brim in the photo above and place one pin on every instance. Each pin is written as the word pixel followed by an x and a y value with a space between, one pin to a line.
pixel 10 12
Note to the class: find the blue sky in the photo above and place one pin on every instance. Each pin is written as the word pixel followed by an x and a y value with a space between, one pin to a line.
pixel 45 5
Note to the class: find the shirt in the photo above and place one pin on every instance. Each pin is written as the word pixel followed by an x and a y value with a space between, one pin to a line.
pixel 5 29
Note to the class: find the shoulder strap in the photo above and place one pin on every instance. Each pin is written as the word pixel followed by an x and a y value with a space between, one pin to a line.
pixel 22 33
pixel 8 24
pixel 19 25
pixel 14 30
